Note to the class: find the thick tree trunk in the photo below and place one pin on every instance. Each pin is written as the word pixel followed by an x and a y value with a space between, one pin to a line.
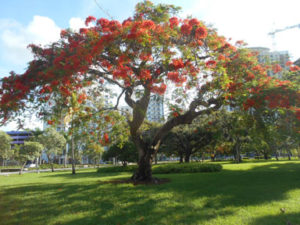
pixel 289 155
pixel 265 156
pixel 187 157
pixel 52 167
pixel 237 151
pixel 237 156
pixel 212 157
pixel 180 157
pixel 155 158
pixel 203 157
pixel 276 155
pixel 144 171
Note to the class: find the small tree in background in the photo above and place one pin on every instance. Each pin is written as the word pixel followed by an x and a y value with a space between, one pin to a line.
pixel 29 151
pixel 53 143
pixel 124 152
pixel 5 146
pixel 94 152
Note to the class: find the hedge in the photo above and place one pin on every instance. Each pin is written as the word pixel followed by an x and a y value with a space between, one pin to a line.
pixel 167 168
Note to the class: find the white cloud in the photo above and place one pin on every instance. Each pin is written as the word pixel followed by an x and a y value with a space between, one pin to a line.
pixel 15 38
pixel 43 30
pixel 76 23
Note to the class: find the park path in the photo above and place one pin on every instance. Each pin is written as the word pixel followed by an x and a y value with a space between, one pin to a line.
pixel 42 170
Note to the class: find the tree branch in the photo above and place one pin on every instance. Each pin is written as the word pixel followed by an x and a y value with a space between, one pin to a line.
pixel 101 74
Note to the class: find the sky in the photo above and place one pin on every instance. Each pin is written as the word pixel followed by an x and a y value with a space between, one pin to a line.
pixel 40 22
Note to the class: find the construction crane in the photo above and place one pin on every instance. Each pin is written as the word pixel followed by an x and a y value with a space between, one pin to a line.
pixel 272 34
pixel 283 29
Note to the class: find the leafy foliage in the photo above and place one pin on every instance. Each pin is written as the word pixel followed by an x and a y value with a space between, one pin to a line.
pixel 29 151
pixel 53 143
pixel 124 152
pixel 5 145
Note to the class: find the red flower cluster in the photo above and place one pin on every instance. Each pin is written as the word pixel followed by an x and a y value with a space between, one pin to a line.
pixel 211 64
pixel 250 76
pixel 175 114
pixel 294 68
pixel 174 22
pixel 174 76
pixel 277 100
pixel 50 122
pixel 160 90
pixel 106 138
pixel 276 68
pixel 89 19
pixel 81 98
pixel 200 33
pixel 194 22
pixel 145 74
pixel 297 113
pixel 177 64
pixel 186 29
pixel 248 104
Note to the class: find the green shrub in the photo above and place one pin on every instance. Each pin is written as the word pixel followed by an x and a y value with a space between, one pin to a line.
pixel 55 166
pixel 186 168
pixel 167 168
pixel 9 170
pixel 115 169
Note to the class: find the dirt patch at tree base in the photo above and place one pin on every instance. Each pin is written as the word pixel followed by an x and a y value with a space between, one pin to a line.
pixel 154 181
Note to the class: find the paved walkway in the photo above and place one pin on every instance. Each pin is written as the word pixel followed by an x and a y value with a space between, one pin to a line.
pixel 42 170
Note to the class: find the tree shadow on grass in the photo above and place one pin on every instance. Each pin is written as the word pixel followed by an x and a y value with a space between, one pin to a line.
pixel 96 204
pixel 254 186
pixel 83 174
pixel 187 199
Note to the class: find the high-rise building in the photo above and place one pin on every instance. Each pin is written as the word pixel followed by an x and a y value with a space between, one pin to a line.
pixel 155 112
pixel 266 56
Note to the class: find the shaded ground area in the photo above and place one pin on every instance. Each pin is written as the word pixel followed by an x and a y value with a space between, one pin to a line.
pixel 240 194
pixel 156 181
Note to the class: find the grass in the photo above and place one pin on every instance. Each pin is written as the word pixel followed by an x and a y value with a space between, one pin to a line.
pixel 247 193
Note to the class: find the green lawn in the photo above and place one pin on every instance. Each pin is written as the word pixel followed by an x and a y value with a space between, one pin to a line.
pixel 248 193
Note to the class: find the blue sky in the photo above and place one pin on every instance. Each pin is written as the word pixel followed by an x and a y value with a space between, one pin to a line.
pixel 40 22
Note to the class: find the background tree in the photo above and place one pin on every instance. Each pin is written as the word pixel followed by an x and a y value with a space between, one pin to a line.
pixel 53 143
pixel 125 152
pixel 235 127
pixel 5 147
pixel 146 54
pixel 185 141
pixel 94 152
pixel 29 151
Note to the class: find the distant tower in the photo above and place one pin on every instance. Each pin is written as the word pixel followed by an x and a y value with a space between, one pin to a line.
pixel 155 111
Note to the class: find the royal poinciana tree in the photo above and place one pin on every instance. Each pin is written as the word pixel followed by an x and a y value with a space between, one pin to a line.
pixel 152 52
